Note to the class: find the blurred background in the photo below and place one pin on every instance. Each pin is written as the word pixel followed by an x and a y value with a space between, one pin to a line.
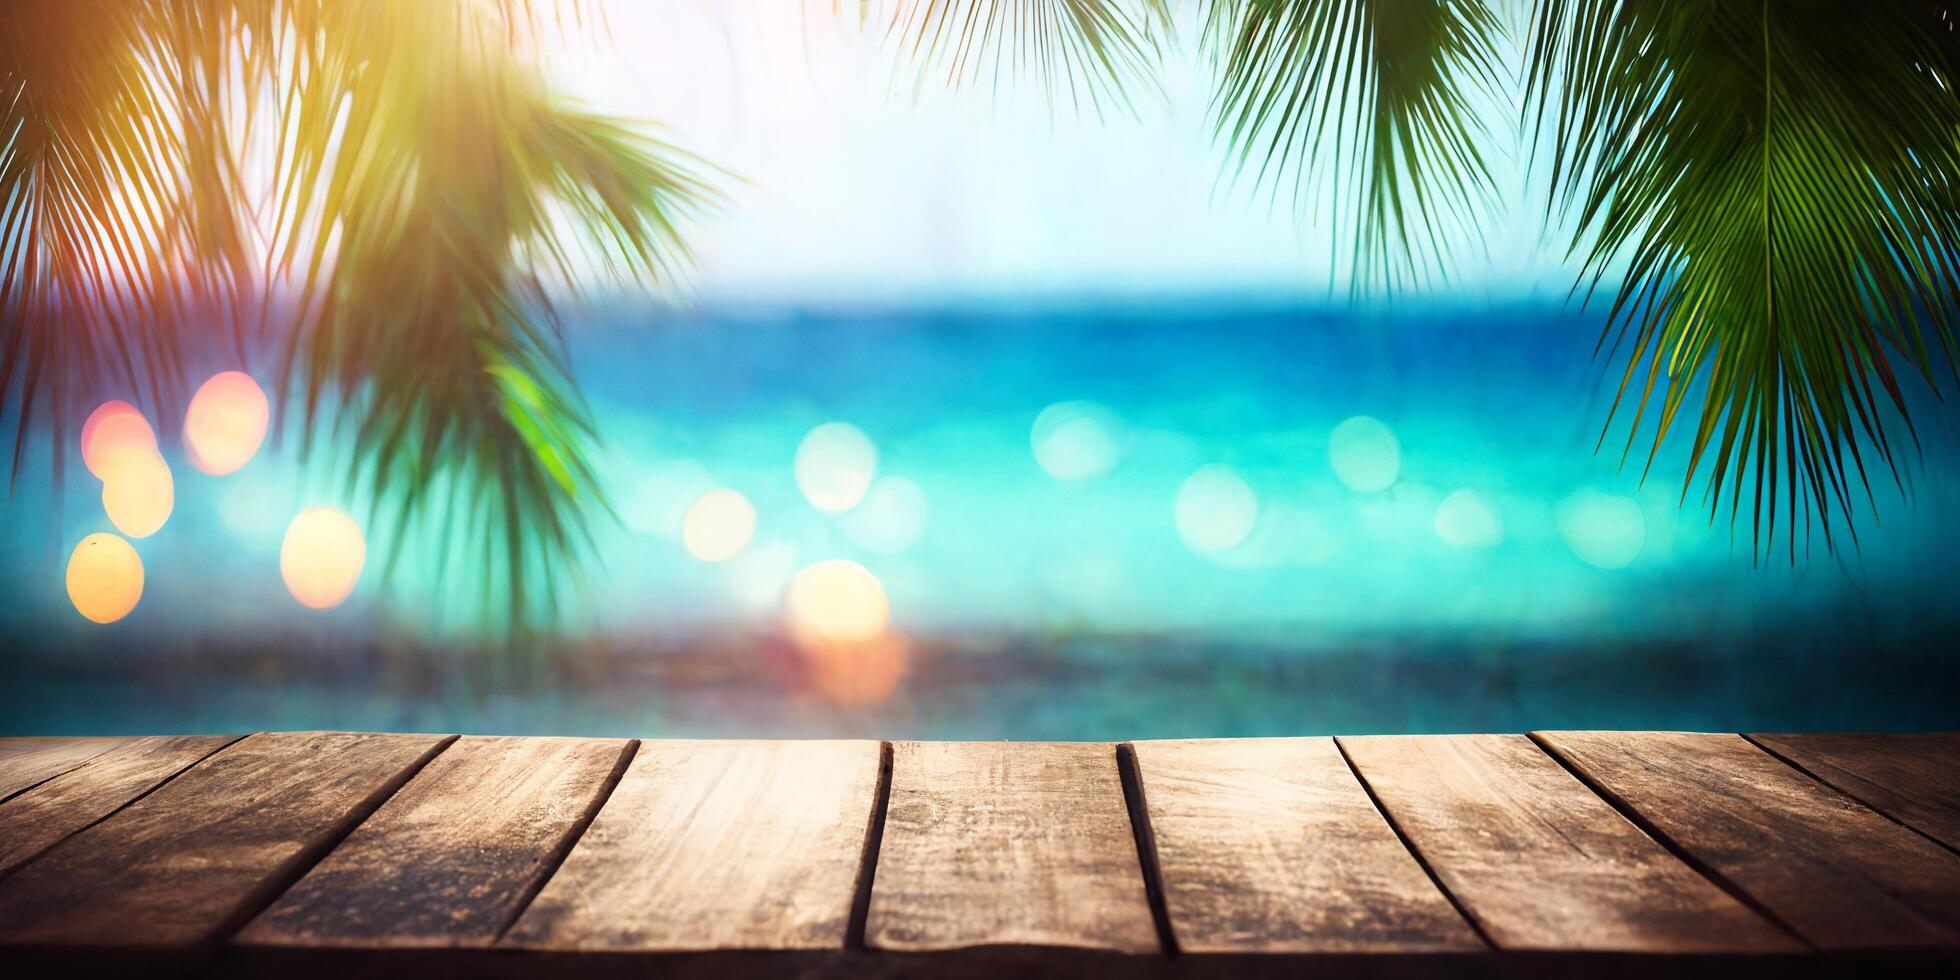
pixel 976 417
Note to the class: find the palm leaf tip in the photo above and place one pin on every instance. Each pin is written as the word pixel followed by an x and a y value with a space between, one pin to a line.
pixel 1773 184
pixel 1096 51
pixel 1377 95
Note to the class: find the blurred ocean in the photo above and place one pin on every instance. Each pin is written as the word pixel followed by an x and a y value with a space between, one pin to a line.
pixel 1090 518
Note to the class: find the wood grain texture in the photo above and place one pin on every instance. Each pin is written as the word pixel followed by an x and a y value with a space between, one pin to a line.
pixel 45 815
pixel 449 859
pixel 1912 778
pixel 1270 845
pixel 1004 843
pixel 1540 861
pixel 1839 874
pixel 187 863
pixel 715 846
pixel 28 760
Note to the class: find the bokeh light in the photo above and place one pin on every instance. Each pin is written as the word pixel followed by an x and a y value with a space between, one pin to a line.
pixel 321 557
pixel 225 423
pixel 834 466
pixel 1285 534
pixel 1076 440
pixel 835 602
pixel 1604 530
pixel 1365 454
pixel 1215 509
pixel 758 575
pixel 95 422
pixel 659 502
pixel 890 519
pixel 115 433
pixel 1466 520
pixel 718 526
pixel 105 578
pixel 138 492
pixel 859 672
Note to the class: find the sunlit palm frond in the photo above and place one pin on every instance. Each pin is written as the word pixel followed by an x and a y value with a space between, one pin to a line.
pixel 114 213
pixel 1775 183
pixel 1378 94
pixel 1097 51
pixel 438 200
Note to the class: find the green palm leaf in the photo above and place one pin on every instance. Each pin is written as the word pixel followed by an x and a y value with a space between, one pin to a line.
pixel 1089 49
pixel 1377 91
pixel 429 235
pixel 1774 182
pixel 115 209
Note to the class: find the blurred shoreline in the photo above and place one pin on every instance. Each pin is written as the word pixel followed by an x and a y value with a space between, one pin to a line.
pixel 1809 673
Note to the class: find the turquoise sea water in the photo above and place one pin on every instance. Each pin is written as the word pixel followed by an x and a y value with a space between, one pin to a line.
pixel 1091 518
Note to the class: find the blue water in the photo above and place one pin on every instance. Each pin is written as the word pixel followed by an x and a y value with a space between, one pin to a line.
pixel 1572 593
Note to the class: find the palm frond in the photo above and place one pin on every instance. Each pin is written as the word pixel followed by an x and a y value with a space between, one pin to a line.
pixel 432 185
pixel 1379 93
pixel 1093 50
pixel 1775 184
pixel 115 219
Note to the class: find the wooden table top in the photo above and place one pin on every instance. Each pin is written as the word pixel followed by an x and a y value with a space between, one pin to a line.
pixel 1625 852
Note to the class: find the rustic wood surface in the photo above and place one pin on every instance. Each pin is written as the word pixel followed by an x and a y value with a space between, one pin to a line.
pixel 1008 843
pixel 187 863
pixel 451 858
pixel 1837 873
pixel 716 845
pixel 44 816
pixel 1537 860
pixel 29 761
pixel 1914 779
pixel 1558 854
pixel 1270 845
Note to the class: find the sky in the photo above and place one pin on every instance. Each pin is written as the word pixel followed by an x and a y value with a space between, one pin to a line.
pixel 849 178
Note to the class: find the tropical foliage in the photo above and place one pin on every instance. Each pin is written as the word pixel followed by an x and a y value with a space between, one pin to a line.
pixel 425 189
pixel 1377 90
pixel 1088 49
pixel 1772 186
pixel 116 207
pixel 1763 191
pixel 452 187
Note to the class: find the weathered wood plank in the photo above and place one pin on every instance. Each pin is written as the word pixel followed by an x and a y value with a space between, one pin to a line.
pixel 28 760
pixel 1001 843
pixel 189 862
pixel 1270 845
pixel 1841 875
pixel 451 857
pixel 715 846
pixel 47 814
pixel 1912 778
pixel 1540 861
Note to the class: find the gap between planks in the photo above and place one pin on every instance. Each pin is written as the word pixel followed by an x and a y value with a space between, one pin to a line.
pixel 563 849
pixel 874 838
pixel 100 744
pixel 1885 812
pixel 297 866
pixel 1673 847
pixel 28 859
pixel 1414 851
pixel 1145 837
